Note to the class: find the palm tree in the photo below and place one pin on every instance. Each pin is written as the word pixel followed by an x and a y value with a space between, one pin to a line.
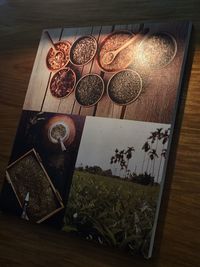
pixel 152 138
pixel 155 136
pixel 128 174
pixel 129 155
pixel 146 148
pixel 112 161
pixel 152 155
pixel 163 156
pixel 118 159
pixel 164 138
pixel 114 158
pixel 158 136
pixel 123 165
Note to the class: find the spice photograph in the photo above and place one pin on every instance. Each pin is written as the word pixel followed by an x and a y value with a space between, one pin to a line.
pixel 116 183
pixel 119 71
pixel 41 166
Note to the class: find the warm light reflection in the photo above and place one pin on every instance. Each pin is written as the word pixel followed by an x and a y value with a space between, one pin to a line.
pixel 155 51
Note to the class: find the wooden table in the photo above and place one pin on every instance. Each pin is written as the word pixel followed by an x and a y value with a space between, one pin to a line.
pixel 21 23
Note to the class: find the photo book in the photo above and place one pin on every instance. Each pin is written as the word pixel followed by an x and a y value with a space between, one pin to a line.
pixel 91 150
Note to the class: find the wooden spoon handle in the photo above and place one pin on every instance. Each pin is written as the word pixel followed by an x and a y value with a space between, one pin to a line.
pixel 47 33
pixel 63 148
pixel 134 38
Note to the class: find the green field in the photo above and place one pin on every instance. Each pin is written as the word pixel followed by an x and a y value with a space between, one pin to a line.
pixel 111 211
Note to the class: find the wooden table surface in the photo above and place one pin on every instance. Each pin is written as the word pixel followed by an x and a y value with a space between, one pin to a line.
pixel 178 237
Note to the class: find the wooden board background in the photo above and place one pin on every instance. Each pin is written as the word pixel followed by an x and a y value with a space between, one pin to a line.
pixel 178 238
pixel 157 100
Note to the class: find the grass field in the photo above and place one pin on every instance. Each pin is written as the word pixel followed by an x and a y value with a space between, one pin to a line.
pixel 111 211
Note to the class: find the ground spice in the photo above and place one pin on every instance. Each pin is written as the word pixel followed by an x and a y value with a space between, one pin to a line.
pixel 89 90
pixel 124 87
pixel 62 83
pixel 83 50
pixel 59 57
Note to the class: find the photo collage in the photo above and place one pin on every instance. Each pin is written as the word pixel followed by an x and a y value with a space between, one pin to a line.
pixel 91 150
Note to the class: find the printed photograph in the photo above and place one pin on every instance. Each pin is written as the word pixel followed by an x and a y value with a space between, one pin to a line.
pixel 127 72
pixel 116 182
pixel 41 166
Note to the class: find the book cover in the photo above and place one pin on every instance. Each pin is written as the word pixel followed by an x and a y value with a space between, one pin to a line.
pixel 91 150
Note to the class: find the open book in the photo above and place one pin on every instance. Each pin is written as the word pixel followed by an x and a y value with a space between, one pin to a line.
pixel 91 150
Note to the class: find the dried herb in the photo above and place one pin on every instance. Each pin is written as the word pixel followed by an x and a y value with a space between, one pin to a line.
pixel 83 50
pixel 59 57
pixel 28 176
pixel 124 87
pixel 89 90
pixel 62 83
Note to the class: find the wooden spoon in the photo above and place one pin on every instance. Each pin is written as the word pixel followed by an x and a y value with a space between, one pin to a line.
pixel 110 56
pixel 63 148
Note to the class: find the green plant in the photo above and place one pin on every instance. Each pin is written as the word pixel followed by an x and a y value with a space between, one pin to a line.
pixel 110 211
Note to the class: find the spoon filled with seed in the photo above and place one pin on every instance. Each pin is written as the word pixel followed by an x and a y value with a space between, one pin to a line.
pixel 109 57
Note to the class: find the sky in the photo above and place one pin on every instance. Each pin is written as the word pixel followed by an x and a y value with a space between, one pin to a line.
pixel 101 136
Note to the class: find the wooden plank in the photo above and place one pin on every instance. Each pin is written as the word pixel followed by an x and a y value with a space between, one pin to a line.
pixel 104 107
pixel 161 88
pixel 40 73
pixel 81 32
pixel 51 103
pixel 66 104
pixel 134 28
pixel 117 109
pixel 92 67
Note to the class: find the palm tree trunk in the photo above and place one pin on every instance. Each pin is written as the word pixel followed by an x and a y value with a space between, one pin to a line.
pixel 115 170
pixel 143 161
pixel 153 167
pixel 160 164
pixel 159 169
pixel 148 160
pixel 147 165
pixel 120 170
pixel 149 168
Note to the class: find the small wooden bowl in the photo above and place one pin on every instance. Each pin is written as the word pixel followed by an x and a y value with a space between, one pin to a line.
pixel 59 50
pixel 156 65
pixel 69 137
pixel 76 43
pixel 120 103
pixel 124 65
pixel 96 100
pixel 55 76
